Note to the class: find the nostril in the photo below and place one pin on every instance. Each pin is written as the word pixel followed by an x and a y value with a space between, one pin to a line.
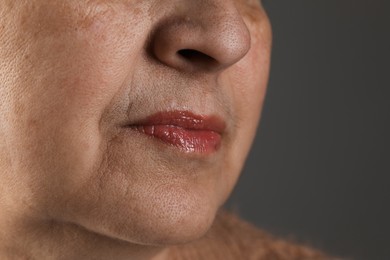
pixel 197 57
pixel 193 54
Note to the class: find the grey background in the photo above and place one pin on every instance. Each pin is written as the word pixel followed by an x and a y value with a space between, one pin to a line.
pixel 319 169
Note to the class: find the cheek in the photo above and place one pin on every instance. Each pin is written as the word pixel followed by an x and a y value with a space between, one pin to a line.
pixel 251 79
pixel 61 84
pixel 248 80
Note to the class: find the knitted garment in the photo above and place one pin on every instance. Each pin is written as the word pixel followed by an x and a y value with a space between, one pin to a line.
pixel 231 238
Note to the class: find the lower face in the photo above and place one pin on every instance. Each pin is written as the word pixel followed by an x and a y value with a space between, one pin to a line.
pixel 74 77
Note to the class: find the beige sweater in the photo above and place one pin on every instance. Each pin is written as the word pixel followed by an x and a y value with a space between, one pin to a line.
pixel 233 239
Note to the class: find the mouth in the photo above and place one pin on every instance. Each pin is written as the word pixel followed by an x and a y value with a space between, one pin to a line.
pixel 184 130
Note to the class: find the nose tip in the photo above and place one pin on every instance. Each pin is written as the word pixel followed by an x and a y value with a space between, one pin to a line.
pixel 205 43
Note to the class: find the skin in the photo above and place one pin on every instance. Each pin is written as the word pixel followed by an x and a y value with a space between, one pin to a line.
pixel 75 182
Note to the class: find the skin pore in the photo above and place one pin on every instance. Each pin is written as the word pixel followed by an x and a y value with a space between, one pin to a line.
pixel 76 181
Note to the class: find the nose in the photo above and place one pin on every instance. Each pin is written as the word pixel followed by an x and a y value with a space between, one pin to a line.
pixel 205 36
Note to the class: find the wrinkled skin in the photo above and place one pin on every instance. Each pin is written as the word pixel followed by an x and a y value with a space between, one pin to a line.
pixel 75 182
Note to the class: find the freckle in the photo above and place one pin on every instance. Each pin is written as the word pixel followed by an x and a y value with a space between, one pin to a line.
pixel 19 109
pixel 137 11
pixel 32 123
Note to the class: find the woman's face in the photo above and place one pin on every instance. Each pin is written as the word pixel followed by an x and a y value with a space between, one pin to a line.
pixel 130 118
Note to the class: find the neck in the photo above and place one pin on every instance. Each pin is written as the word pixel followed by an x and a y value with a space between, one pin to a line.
pixel 55 240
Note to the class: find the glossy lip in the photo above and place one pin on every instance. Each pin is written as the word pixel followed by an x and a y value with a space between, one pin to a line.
pixel 185 130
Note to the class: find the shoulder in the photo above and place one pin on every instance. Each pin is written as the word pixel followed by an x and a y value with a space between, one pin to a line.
pixel 231 238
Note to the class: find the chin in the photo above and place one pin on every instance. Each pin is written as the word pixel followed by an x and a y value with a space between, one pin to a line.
pixel 166 215
pixel 178 223
pixel 178 217
pixel 177 226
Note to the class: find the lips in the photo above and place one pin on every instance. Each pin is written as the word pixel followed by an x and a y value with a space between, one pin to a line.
pixel 189 132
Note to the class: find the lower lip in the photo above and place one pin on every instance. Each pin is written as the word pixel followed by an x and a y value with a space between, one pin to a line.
pixel 187 140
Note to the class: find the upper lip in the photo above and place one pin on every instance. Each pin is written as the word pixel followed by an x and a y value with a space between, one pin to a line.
pixel 184 119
